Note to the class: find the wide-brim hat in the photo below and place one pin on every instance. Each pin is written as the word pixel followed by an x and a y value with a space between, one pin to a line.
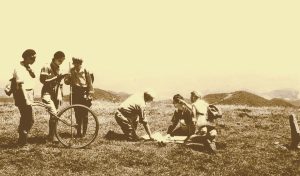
pixel 77 60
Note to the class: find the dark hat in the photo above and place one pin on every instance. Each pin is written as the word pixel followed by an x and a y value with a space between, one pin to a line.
pixel 77 60
pixel 59 54
pixel 28 53
pixel 176 98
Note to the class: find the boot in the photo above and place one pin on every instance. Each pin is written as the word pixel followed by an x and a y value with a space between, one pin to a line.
pixel 22 141
pixel 52 138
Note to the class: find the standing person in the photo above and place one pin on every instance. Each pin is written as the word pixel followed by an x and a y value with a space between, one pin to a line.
pixel 182 116
pixel 131 111
pixel 23 77
pixel 80 80
pixel 51 77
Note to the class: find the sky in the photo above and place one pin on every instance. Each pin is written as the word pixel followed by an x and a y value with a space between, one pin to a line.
pixel 169 46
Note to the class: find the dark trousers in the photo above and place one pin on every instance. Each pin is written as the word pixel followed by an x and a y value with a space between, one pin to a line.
pixel 27 118
pixel 81 114
pixel 127 127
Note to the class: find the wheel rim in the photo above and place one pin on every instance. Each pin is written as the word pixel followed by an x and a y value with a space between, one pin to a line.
pixel 67 127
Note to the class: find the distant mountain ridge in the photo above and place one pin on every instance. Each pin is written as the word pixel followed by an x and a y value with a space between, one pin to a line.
pixel 287 94
pixel 233 98
pixel 98 95
pixel 244 98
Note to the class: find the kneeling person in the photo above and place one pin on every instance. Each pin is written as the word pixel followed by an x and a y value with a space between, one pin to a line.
pixel 131 111
pixel 182 116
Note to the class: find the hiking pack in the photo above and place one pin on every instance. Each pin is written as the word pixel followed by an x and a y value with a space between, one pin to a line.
pixel 213 113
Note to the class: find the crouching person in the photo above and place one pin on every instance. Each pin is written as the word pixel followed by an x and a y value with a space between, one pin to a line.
pixel 22 89
pixel 131 112
pixel 182 116
pixel 80 80
pixel 205 128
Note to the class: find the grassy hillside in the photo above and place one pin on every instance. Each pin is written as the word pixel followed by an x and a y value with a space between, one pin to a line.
pixel 251 141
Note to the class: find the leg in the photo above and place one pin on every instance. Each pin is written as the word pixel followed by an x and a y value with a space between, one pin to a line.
pixel 211 140
pixel 78 117
pixel 295 132
pixel 52 106
pixel 125 125
pixel 84 121
pixel 85 117
pixel 22 126
pixel 122 122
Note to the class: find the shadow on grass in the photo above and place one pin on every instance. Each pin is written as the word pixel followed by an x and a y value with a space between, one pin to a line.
pixel 10 143
pixel 111 135
pixel 201 147
pixel 37 140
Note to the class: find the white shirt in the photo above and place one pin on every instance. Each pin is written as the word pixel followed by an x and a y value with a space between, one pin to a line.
pixel 134 107
pixel 23 76
pixel 201 106
pixel 201 112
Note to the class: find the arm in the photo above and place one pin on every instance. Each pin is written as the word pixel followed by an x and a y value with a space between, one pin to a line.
pixel 186 104
pixel 147 129
pixel 144 121
pixel 67 80
pixel 174 121
pixel 44 80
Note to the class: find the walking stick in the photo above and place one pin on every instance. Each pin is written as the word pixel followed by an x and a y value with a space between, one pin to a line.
pixel 71 100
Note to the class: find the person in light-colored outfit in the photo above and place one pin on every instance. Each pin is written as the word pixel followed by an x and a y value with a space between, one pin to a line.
pixel 23 77
pixel 131 112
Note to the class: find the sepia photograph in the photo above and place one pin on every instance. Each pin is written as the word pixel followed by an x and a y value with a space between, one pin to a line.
pixel 154 88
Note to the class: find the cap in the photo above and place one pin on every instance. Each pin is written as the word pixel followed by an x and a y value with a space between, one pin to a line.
pixel 28 53
pixel 77 60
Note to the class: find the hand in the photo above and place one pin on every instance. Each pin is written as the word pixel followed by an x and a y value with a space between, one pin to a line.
pixel 151 138
pixel 90 96
pixel 60 76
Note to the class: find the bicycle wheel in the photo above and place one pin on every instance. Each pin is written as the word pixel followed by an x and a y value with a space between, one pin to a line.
pixel 79 131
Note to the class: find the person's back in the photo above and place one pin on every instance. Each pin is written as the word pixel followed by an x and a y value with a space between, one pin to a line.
pixel 131 111
pixel 133 106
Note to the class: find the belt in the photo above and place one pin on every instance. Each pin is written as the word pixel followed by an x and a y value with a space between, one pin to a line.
pixel 28 89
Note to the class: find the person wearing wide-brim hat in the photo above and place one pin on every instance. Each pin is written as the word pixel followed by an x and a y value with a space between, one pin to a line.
pixel 23 78
pixel 131 112
pixel 81 81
